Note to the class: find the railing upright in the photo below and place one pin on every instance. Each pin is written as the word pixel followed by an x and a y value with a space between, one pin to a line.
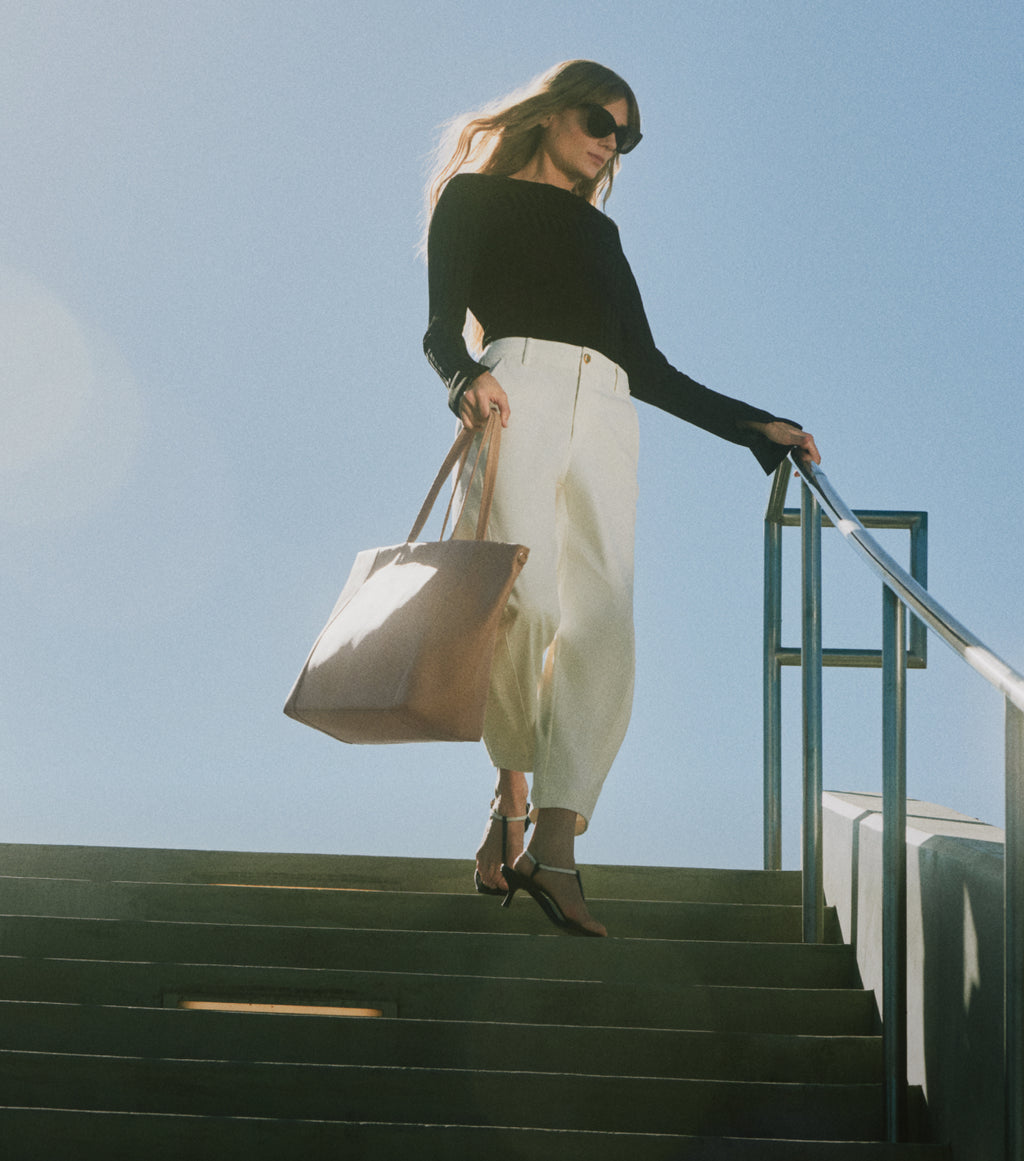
pixel 813 862
pixel 894 862
pixel 1013 945
pixel 773 680
pixel 902 593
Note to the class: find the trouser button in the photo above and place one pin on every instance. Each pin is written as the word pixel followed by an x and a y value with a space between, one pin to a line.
pixel 586 358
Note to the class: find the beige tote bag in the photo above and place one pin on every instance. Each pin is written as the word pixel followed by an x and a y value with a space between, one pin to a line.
pixel 406 654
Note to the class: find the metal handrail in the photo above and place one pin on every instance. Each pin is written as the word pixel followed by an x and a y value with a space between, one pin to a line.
pixel 995 671
pixel 901 591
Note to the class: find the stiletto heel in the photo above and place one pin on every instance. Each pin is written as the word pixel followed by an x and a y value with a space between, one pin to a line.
pixel 516 881
pixel 482 887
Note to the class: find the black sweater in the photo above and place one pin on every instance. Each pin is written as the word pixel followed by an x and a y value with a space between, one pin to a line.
pixel 532 260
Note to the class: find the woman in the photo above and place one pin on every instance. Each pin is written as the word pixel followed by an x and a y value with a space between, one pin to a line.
pixel 516 239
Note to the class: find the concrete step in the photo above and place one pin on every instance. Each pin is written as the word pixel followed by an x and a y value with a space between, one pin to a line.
pixel 799 1011
pixel 404 910
pixel 705 1024
pixel 42 1134
pixel 381 873
pixel 543 956
pixel 442 1095
pixel 411 1043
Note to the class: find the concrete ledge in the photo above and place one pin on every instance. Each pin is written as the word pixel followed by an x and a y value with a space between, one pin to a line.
pixel 955 960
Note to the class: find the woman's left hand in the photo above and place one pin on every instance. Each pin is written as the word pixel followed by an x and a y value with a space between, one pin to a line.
pixel 778 431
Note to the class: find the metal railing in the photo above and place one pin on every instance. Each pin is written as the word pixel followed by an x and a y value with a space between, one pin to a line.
pixel 902 592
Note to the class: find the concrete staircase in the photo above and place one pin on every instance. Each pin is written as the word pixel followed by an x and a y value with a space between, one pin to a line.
pixel 704 1029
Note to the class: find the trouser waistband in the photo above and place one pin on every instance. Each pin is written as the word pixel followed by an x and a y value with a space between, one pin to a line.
pixel 559 356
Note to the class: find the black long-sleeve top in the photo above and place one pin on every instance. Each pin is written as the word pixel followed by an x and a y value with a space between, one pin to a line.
pixel 536 261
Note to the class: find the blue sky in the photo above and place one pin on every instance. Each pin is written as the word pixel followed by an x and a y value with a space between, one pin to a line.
pixel 213 393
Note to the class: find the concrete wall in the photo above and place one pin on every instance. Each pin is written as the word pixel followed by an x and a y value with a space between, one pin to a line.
pixel 955 960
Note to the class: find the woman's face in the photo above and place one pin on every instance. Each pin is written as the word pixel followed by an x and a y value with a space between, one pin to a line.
pixel 574 156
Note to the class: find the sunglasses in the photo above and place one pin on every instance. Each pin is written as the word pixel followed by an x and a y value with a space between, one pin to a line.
pixel 599 123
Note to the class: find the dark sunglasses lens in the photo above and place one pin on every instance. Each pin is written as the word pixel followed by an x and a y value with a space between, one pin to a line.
pixel 601 124
pixel 626 139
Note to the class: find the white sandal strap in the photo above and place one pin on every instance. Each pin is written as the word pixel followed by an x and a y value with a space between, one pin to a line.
pixel 510 817
pixel 544 867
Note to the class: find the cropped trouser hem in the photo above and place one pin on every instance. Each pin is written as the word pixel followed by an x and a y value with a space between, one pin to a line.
pixel 562 681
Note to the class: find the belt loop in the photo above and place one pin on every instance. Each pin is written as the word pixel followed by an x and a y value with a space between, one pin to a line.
pixel 526 345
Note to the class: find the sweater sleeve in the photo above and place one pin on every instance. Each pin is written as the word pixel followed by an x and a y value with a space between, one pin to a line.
pixel 654 380
pixel 452 244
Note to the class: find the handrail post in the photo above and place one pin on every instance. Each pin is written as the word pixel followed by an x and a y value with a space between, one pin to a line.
pixel 810 660
pixel 919 570
pixel 894 863
pixel 1013 936
pixel 772 708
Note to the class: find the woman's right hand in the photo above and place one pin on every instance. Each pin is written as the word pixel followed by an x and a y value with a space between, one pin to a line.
pixel 484 395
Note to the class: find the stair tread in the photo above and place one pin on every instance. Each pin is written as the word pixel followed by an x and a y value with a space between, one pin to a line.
pixel 540 955
pixel 441 1095
pixel 120 1030
pixel 758 1008
pixel 375 871
pixel 428 910
pixel 163 1136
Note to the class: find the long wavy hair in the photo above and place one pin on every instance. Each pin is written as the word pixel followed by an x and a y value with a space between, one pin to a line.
pixel 502 138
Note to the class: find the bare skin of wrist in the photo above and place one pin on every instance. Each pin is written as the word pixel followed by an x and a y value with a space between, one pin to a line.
pixel 480 398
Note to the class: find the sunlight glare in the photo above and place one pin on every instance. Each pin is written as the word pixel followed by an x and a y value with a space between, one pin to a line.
pixel 69 409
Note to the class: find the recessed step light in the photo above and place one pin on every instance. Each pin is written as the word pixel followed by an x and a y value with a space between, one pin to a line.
pixel 276 1004
pixel 278 1009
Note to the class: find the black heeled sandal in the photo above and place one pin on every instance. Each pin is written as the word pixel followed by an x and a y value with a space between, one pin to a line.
pixel 546 901
pixel 504 819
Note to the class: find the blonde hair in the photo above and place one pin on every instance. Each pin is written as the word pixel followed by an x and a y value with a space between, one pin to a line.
pixel 502 138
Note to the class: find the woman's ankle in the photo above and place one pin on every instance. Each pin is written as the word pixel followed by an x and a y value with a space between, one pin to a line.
pixel 554 838
pixel 511 794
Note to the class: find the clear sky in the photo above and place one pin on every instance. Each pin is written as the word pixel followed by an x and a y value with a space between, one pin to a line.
pixel 212 392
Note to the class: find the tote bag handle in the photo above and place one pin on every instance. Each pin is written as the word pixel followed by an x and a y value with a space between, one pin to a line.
pixel 459 453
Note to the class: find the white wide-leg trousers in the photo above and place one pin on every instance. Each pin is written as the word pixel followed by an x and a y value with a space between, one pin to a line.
pixel 562 683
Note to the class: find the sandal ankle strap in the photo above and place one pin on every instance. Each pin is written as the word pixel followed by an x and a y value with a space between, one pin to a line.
pixel 544 867
pixel 510 817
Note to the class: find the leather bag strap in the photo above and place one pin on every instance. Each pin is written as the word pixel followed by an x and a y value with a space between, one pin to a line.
pixel 459 454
